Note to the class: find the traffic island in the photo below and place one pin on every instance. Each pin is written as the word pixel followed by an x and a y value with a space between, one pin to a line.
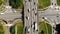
pixel 43 4
pixel 45 28
pixel 19 27
pixel 2 31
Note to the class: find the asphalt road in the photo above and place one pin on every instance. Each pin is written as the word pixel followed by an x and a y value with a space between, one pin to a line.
pixel 34 14
pixel 52 14
pixel 27 18
pixel 53 2
pixel 31 14
pixel 30 9
pixel 9 15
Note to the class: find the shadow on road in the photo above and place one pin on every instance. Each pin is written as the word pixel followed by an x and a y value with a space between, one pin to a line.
pixel 23 14
pixel 58 28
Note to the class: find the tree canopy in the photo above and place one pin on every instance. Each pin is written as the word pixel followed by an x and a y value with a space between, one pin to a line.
pixel 15 3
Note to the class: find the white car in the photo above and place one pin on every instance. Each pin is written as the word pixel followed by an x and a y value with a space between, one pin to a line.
pixel 44 18
pixel 36 27
pixel 28 18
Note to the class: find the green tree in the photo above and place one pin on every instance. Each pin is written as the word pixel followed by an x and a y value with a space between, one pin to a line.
pixel 16 3
pixel 12 30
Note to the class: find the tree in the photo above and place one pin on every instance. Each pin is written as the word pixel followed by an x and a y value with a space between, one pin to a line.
pixel 15 3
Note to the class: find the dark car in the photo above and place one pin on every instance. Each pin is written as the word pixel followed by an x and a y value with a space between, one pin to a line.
pixel 27 30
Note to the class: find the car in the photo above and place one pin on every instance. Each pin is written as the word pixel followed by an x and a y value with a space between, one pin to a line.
pixel 52 3
pixel 27 30
pixel 44 17
pixel 34 3
pixel 27 18
pixel 28 10
pixel 35 14
pixel 35 26
pixel 57 16
pixel 33 9
pixel 32 25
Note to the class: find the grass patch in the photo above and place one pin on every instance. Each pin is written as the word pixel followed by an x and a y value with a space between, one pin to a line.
pixel 44 3
pixel 58 2
pixel 19 26
pixel 45 28
pixel 1 28
pixel 2 2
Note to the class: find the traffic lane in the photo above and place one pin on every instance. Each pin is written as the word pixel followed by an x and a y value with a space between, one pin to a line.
pixel 48 13
pixel 27 14
pixel 26 9
pixel 52 19
pixel 53 2
pixel 32 15
pixel 34 19
pixel 26 6
pixel 35 16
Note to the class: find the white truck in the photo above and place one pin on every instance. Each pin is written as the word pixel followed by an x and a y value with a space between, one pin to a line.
pixel 36 28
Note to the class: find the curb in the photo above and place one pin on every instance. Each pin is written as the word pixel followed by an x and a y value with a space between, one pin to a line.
pixel 43 9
